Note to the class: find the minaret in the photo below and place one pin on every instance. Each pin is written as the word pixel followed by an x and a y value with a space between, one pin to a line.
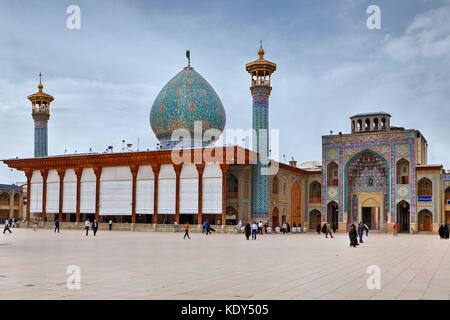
pixel 40 102
pixel 260 71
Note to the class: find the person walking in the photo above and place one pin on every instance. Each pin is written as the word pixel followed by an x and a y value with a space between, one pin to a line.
pixel 248 231
pixel 13 222
pixel 366 227
pixel 7 226
pixel 324 228
pixel 95 226
pixel 395 229
pixel 57 225
pixel 328 231
pixel 260 228
pixel 254 230
pixel 361 232
pixel 186 231
pixel 318 228
pixel 353 236
pixel 110 225
pixel 334 227
pixel 35 224
pixel 87 225
pixel 240 225
pixel 175 224
pixel 204 226
pixel 209 228
pixel 288 227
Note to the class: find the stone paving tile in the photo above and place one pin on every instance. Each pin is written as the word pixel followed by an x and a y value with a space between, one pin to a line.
pixel 146 265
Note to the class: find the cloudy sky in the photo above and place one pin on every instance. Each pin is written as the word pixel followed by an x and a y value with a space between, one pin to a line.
pixel 105 76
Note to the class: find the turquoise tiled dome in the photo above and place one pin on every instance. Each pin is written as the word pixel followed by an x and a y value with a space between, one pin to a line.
pixel 187 98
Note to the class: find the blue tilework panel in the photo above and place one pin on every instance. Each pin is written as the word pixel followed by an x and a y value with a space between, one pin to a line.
pixel 40 139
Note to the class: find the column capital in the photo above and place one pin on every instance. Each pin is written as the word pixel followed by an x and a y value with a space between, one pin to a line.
pixel 28 174
pixel 156 168
pixel 224 167
pixel 177 168
pixel 98 172
pixel 78 172
pixel 61 173
pixel 200 168
pixel 44 174
pixel 134 170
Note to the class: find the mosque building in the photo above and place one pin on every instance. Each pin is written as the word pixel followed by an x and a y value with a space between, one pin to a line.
pixel 377 174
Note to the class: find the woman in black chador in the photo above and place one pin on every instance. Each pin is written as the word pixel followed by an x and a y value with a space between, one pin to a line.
pixel 446 232
pixel 353 236
pixel 318 229
pixel 248 231
pixel 441 231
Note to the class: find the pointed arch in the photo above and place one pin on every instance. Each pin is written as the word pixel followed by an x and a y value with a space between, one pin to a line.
pixel 346 177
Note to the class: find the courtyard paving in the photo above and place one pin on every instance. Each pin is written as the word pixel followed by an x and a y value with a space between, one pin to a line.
pixel 147 265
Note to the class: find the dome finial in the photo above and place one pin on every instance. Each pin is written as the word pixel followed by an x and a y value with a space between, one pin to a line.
pixel 261 50
pixel 40 86
pixel 188 55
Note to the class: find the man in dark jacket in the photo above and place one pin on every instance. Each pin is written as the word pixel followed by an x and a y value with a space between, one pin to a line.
pixel 209 228
pixel 95 226
pixel 57 225
pixel 324 228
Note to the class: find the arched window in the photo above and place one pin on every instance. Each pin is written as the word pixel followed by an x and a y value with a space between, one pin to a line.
pixel 383 123
pixel 425 187
pixel 284 188
pixel 275 185
pixel 5 199
pixel 315 192
pixel 375 124
pixel 447 196
pixel 353 126
pixel 403 172
pixel 332 175
pixel 367 125
pixel 359 126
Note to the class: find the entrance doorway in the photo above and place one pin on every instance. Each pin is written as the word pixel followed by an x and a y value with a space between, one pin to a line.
pixel 332 213
pixel 367 216
pixel 403 216
pixel 275 218
pixel 425 223
pixel 314 219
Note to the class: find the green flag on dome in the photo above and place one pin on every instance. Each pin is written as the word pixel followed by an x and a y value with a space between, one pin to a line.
pixel 188 54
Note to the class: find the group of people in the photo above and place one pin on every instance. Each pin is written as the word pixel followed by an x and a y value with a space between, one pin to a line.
pixel 206 227
pixel 87 225
pixel 326 229
pixel 443 231
pixel 357 231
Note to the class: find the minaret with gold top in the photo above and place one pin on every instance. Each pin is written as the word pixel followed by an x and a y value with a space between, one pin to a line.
pixel 260 71
pixel 40 102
